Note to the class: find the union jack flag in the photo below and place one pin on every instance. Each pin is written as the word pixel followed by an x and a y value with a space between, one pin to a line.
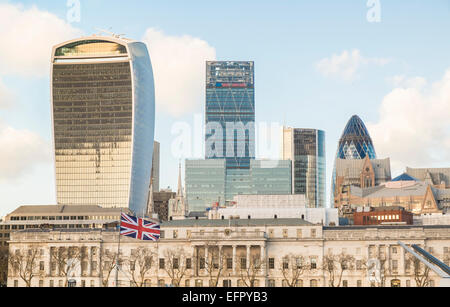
pixel 139 229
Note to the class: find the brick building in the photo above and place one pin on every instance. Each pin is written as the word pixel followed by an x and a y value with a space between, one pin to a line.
pixel 382 215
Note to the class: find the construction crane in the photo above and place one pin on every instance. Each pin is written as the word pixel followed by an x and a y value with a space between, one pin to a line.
pixel 440 268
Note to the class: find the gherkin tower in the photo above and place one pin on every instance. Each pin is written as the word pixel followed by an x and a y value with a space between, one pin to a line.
pixel 354 144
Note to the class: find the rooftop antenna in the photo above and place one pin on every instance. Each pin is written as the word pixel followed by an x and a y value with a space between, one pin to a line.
pixel 109 32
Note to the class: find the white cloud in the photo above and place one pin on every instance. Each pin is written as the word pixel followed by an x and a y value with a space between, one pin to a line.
pixel 27 37
pixel 6 96
pixel 347 64
pixel 414 125
pixel 404 82
pixel 21 150
pixel 179 65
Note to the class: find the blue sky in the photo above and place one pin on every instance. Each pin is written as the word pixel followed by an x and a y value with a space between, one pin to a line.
pixel 385 72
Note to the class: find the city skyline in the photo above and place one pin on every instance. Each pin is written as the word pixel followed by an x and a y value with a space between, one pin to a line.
pixel 400 94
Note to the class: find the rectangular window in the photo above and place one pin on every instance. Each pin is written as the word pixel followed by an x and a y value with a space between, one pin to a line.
pixel 229 263
pixel 176 263
pixel 313 263
pixel 162 264
pixel 189 263
pixel 243 263
pixel 202 263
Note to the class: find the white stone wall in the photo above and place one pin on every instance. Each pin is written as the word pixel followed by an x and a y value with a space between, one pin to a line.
pixel 275 242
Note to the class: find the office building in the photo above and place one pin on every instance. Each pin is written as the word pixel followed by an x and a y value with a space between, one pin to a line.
pixel 209 183
pixel 275 207
pixel 103 106
pixel 156 166
pixel 306 149
pixel 230 113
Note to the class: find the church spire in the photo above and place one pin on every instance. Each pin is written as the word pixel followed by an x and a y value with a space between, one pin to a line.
pixel 180 184
pixel 151 202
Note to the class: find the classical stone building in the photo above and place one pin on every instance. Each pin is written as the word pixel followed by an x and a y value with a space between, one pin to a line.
pixel 202 253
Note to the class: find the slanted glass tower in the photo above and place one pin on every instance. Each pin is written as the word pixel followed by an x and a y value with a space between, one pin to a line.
pixel 354 144
pixel 103 106
pixel 230 113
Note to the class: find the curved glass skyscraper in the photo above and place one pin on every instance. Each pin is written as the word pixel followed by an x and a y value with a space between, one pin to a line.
pixel 354 144
pixel 103 105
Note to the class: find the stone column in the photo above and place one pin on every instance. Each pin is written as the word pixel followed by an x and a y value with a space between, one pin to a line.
pixel 206 256
pixel 234 259
pixel 248 256
pixel 264 260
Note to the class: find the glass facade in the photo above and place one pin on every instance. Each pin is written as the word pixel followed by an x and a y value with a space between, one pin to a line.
pixel 208 182
pixel 354 144
pixel 205 183
pixel 306 149
pixel 103 124
pixel 230 113
pixel 91 48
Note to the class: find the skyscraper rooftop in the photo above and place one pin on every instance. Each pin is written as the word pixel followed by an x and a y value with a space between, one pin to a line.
pixel 355 142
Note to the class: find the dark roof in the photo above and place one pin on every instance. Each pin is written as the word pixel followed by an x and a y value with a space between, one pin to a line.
pixel 404 177
pixel 57 209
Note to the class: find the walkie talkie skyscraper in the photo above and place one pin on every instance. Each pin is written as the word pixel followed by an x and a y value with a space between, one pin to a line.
pixel 103 106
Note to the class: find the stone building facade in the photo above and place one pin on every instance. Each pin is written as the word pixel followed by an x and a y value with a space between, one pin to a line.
pixel 259 253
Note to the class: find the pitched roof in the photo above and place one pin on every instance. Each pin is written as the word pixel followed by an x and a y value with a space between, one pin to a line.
pixel 404 177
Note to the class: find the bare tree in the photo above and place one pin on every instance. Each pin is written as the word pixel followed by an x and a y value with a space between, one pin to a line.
pixel 249 272
pixel 336 266
pixel 293 267
pixel 177 266
pixel 108 265
pixel 67 260
pixel 4 255
pixel 421 272
pixel 24 263
pixel 215 264
pixel 377 270
pixel 139 264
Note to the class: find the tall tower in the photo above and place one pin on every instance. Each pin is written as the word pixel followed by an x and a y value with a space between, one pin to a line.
pixel 178 206
pixel 354 144
pixel 306 149
pixel 230 113
pixel 103 106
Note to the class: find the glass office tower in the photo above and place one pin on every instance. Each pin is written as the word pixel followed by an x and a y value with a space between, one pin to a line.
pixel 306 149
pixel 208 182
pixel 103 105
pixel 230 113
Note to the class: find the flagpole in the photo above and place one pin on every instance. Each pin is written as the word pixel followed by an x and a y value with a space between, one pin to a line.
pixel 118 252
